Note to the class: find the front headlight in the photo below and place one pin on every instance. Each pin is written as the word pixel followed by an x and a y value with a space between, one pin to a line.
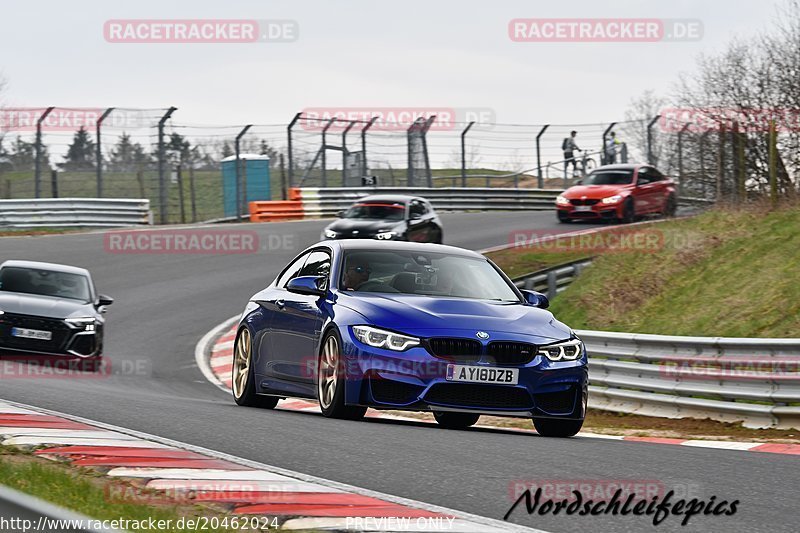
pixel 330 234
pixel 612 199
pixel 560 200
pixel 386 235
pixel 85 323
pixel 379 338
pixel 562 351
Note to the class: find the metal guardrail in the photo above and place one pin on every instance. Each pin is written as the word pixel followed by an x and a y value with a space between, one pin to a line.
pixel 74 213
pixel 329 201
pixel 755 381
pixel 552 280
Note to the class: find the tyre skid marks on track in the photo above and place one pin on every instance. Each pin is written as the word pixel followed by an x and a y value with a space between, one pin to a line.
pixel 219 355
pixel 245 489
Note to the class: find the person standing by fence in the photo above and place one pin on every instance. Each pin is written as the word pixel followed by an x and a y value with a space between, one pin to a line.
pixel 611 149
pixel 569 147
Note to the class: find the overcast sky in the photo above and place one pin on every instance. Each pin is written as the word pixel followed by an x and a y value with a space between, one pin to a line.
pixel 355 53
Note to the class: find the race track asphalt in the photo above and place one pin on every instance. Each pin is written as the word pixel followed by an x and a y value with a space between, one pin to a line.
pixel 166 303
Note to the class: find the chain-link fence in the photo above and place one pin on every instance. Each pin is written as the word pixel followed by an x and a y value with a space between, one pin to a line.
pixel 198 172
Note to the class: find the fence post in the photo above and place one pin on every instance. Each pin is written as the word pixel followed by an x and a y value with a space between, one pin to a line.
pixel 552 285
pixel 54 182
pixel 720 161
pixel 680 157
pixel 651 158
pixel 140 179
pixel 289 146
pixel 162 178
pixel 364 167
pixel 192 193
pixel 283 179
pixel 323 152
pixel 180 195
pixel 237 146
pixel 464 155
pixel 702 148
pixel 37 163
pixel 7 193
pixel 344 152
pixel 773 163
pixel 741 144
pixel 540 178
pixel 99 151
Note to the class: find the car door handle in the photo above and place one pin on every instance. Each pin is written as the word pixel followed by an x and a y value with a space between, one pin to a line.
pixel 280 303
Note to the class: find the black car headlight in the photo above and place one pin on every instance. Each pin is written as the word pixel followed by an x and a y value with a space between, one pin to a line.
pixel 380 338
pixel 562 351
pixel 329 234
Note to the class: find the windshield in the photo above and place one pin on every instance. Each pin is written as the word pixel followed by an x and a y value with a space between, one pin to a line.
pixel 377 211
pixel 429 274
pixel 609 177
pixel 45 283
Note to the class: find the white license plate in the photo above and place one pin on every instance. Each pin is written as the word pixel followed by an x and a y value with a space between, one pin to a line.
pixel 583 208
pixel 32 334
pixel 482 374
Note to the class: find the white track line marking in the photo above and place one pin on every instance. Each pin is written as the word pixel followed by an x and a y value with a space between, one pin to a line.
pixel 490 524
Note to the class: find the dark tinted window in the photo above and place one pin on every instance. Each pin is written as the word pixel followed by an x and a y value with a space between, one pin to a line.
pixel 645 176
pixel 291 271
pixel 377 211
pixel 425 274
pixel 609 177
pixel 417 209
pixel 45 283
pixel 317 264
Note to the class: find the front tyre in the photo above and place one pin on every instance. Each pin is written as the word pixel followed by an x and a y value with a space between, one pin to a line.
pixel 553 427
pixel 671 206
pixel 455 420
pixel 243 375
pixel 628 212
pixel 330 381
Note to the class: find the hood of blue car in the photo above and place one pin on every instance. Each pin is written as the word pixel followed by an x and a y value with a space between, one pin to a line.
pixel 424 315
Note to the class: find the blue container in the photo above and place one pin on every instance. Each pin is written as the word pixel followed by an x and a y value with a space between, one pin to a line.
pixel 254 176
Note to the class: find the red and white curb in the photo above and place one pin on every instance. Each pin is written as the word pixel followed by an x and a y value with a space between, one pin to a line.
pixel 249 488
pixel 214 356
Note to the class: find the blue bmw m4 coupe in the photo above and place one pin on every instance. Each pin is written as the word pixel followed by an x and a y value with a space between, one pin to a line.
pixel 409 326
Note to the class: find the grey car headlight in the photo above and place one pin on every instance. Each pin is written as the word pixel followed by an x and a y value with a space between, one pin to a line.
pixel 562 351
pixel 85 323
pixel 380 338
pixel 386 235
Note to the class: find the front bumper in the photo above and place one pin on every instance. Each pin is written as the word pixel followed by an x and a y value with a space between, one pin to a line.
pixel 66 341
pixel 598 211
pixel 416 380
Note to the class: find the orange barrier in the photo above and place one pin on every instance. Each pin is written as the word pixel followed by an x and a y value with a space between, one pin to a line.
pixel 276 210
pixel 295 193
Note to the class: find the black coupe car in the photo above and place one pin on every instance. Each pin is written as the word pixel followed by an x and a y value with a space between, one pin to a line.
pixel 390 217
pixel 50 309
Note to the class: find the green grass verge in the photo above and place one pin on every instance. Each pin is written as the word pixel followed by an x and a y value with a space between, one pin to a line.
pixel 88 492
pixel 727 272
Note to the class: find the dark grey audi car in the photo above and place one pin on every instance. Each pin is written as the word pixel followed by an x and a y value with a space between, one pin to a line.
pixel 387 217
pixel 50 309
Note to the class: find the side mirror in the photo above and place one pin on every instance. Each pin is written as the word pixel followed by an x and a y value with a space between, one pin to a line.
pixel 536 299
pixel 579 182
pixel 312 285
pixel 103 300
pixel 340 214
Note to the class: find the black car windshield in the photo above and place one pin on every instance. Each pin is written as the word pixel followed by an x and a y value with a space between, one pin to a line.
pixel 377 211
pixel 424 273
pixel 609 177
pixel 45 283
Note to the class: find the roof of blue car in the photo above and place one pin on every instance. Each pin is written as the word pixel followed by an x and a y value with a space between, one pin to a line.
pixel 371 244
